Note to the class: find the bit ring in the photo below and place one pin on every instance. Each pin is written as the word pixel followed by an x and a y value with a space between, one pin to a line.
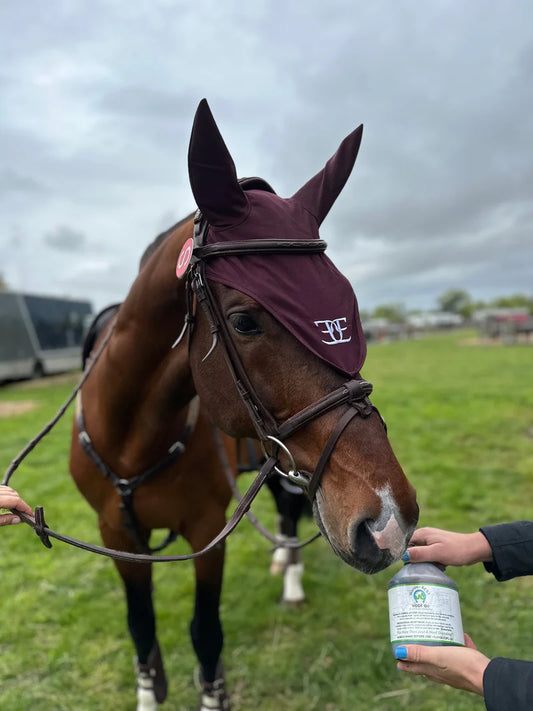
pixel 293 474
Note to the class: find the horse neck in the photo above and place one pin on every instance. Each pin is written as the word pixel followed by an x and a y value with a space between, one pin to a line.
pixel 139 369
pixel 155 307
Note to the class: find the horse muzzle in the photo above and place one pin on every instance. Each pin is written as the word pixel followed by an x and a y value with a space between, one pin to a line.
pixel 370 544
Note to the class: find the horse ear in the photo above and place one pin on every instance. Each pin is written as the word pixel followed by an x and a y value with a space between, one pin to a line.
pixel 212 173
pixel 319 193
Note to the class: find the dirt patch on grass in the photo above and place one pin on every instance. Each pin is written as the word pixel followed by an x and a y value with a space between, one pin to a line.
pixel 10 409
pixel 496 342
pixel 476 341
pixel 50 380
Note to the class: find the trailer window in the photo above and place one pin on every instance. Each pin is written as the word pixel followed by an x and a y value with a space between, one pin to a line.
pixel 58 323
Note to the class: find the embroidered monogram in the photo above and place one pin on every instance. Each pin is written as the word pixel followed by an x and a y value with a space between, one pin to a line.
pixel 335 329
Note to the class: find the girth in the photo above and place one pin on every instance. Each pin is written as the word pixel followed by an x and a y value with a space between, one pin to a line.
pixel 127 486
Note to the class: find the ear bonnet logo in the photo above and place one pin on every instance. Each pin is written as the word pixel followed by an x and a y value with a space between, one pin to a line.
pixel 335 329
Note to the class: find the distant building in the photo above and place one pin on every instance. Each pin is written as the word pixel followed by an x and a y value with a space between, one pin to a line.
pixel 429 320
pixel 382 329
pixel 506 323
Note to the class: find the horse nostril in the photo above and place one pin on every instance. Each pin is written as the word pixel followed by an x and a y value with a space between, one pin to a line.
pixel 369 556
pixel 364 543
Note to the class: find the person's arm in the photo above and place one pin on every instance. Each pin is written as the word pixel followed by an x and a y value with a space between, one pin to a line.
pixel 434 545
pixel 508 684
pixel 512 549
pixel 9 499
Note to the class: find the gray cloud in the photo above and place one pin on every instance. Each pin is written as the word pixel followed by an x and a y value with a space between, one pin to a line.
pixel 141 102
pixel 66 239
pixel 98 103
pixel 11 181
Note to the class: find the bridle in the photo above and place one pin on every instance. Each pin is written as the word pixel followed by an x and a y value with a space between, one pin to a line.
pixel 272 434
pixel 354 393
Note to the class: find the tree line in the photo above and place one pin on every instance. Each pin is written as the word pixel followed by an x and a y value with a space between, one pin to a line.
pixel 456 301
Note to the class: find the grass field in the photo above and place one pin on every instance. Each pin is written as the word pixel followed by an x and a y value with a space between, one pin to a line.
pixel 460 418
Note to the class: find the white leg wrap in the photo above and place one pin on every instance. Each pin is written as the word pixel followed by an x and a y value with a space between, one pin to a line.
pixel 145 694
pixel 293 591
pixel 209 703
pixel 213 695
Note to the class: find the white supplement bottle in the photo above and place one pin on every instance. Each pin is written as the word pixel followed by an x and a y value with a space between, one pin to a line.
pixel 424 607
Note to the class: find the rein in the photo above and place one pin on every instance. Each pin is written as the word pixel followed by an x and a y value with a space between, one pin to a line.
pixel 46 429
pixel 44 532
pixel 278 543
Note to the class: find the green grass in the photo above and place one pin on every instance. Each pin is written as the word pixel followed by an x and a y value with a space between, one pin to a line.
pixel 460 418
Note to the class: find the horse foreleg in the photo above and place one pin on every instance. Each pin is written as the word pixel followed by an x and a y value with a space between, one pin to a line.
pixel 151 679
pixel 290 506
pixel 137 580
pixel 206 629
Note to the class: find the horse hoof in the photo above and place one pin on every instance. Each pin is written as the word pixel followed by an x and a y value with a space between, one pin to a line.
pixel 292 604
pixel 151 681
pixel 213 695
pixel 210 702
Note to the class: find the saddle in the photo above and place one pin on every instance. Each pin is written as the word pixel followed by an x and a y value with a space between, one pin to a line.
pixel 98 324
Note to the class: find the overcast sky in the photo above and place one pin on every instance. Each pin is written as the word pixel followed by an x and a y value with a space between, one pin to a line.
pixel 98 98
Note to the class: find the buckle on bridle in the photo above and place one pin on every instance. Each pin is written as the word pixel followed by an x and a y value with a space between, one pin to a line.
pixel 359 391
pixel 40 526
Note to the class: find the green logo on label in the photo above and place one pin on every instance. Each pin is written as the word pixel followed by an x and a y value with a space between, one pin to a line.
pixel 419 595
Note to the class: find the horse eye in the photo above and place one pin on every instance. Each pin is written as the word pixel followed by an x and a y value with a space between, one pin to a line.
pixel 245 324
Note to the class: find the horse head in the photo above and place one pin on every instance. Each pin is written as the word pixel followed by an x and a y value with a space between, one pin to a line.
pixel 279 331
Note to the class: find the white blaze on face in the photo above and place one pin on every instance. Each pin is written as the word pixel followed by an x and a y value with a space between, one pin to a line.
pixel 386 530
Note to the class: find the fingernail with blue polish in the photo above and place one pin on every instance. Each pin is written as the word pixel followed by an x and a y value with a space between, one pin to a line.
pixel 405 557
pixel 401 653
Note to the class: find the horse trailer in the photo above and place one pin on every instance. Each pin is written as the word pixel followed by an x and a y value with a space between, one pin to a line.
pixel 40 335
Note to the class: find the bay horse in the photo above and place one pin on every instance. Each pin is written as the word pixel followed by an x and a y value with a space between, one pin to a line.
pixel 274 350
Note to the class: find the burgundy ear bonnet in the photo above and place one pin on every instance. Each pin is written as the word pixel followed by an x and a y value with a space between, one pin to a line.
pixel 305 292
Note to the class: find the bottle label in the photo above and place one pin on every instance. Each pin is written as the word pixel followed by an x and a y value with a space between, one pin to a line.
pixel 425 613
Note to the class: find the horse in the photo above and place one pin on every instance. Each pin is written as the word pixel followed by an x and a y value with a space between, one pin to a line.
pixel 238 305
pixel 290 501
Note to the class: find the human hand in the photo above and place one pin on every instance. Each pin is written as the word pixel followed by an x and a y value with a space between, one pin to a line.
pixel 9 499
pixel 460 667
pixel 447 548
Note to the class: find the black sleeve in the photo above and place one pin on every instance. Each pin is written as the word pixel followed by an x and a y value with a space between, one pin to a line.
pixel 512 549
pixel 508 685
